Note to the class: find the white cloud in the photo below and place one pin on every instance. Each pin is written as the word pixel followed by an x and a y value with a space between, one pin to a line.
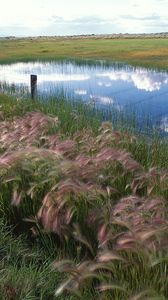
pixel 22 17
pixel 141 78
pixel 164 124
pixel 101 99
pixel 81 92
pixel 107 84
pixel 106 100
pixel 146 82
pixel 16 74
pixel 62 77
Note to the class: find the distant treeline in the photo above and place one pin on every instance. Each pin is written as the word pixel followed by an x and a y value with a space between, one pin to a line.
pixel 100 36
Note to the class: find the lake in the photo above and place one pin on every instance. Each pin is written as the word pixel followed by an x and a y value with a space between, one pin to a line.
pixel 100 84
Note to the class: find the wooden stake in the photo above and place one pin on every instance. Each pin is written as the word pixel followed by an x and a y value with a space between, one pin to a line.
pixel 33 83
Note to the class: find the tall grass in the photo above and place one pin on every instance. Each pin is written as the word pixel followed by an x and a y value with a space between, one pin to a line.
pixel 72 116
pixel 94 194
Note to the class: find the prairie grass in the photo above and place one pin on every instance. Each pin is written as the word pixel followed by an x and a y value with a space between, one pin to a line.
pixel 92 199
pixel 145 52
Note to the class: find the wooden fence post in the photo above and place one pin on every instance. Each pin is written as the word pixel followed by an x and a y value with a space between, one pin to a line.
pixel 33 84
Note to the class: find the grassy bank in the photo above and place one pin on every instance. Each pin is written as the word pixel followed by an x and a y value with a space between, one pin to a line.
pixel 81 199
pixel 151 53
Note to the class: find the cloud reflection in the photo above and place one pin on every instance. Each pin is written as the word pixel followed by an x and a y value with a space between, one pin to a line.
pixel 81 92
pixel 142 79
pixel 19 73
pixel 25 79
pixel 101 99
pixel 164 124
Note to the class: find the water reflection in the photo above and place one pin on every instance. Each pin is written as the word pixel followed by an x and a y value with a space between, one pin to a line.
pixel 164 124
pixel 142 79
pixel 141 90
pixel 81 92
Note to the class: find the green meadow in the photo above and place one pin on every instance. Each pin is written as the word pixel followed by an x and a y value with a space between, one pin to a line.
pixel 142 52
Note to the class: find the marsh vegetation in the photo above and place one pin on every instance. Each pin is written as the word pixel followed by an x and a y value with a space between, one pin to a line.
pixel 150 52
pixel 83 201
pixel 112 88
pixel 82 198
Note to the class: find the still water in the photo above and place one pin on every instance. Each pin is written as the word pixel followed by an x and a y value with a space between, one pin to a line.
pixel 123 87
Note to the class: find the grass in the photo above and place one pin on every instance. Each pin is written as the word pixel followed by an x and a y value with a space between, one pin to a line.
pixel 90 198
pixel 152 53
pixel 73 116
pixel 26 271
pixel 24 274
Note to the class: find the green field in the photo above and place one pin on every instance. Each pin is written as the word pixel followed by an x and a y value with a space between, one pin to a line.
pixel 143 52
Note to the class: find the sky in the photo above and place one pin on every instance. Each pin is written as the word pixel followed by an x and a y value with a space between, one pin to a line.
pixel 72 17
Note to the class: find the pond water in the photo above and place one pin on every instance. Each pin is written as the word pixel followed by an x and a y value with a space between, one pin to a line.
pixel 123 87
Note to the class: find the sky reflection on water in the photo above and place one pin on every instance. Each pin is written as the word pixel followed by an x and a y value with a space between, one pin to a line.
pixel 143 91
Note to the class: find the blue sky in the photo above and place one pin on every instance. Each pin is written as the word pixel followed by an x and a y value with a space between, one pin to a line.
pixel 69 17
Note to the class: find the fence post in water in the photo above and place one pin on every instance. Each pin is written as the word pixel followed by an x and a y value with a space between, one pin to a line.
pixel 33 83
